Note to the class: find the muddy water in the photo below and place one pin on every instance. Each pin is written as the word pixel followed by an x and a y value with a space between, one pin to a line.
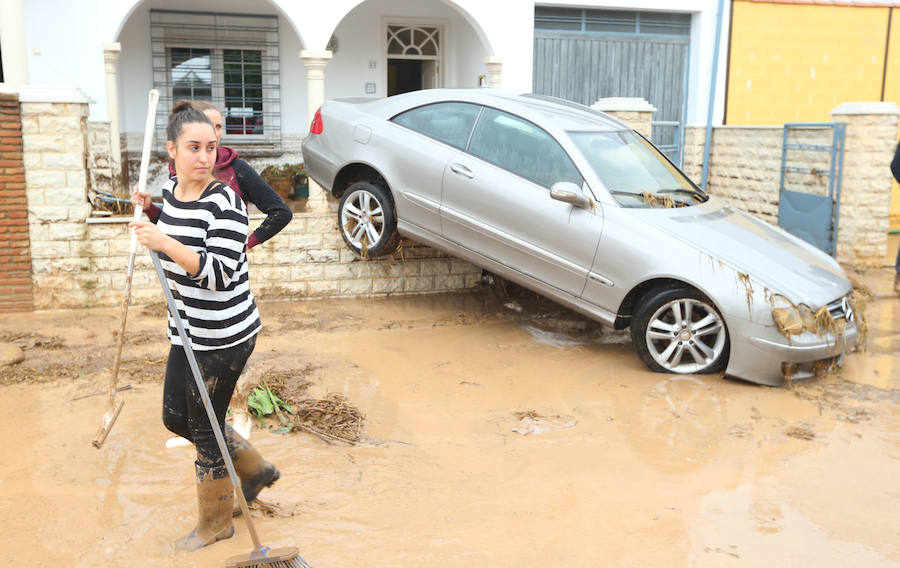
pixel 622 467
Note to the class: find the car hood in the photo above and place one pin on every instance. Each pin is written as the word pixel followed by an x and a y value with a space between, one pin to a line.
pixel 778 260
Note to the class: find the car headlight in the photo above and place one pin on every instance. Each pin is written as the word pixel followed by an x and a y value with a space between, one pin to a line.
pixel 788 320
pixel 794 320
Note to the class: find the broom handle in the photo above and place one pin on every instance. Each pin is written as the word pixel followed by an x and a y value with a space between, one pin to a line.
pixel 142 185
pixel 201 386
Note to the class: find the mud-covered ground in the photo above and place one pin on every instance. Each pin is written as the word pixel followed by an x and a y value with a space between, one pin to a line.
pixel 494 436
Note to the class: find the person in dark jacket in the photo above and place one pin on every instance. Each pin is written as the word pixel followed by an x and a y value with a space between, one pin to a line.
pixel 243 179
pixel 895 169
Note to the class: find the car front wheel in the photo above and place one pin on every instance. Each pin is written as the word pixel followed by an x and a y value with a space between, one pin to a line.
pixel 678 330
pixel 367 220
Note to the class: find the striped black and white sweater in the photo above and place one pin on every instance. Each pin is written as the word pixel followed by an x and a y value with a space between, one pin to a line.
pixel 215 304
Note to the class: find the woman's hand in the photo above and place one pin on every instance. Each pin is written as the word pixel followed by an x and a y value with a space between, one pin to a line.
pixel 139 198
pixel 149 235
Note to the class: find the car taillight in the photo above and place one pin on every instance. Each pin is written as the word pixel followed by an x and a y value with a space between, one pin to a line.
pixel 317 127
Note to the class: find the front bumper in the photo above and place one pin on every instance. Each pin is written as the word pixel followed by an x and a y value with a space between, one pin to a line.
pixel 760 354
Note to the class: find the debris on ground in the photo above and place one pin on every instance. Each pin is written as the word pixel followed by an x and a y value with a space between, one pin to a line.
pixel 289 384
pixel 801 431
pixel 530 422
pixel 148 369
pixel 10 354
pixel 271 510
pixel 333 419
pixel 31 340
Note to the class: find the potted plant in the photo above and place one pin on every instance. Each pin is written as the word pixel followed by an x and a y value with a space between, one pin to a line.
pixel 288 180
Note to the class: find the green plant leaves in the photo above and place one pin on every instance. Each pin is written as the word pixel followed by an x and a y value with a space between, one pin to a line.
pixel 263 402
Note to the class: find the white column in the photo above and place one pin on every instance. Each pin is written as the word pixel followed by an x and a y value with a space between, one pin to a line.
pixel 12 34
pixel 494 66
pixel 110 56
pixel 315 62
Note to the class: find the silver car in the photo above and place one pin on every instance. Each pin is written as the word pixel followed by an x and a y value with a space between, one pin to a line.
pixel 577 206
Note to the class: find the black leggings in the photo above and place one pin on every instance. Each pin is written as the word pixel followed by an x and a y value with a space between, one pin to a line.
pixel 183 411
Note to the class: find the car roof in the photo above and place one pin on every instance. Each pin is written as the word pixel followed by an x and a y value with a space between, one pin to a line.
pixel 542 109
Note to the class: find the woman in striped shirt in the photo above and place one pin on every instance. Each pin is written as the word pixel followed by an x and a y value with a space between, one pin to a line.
pixel 201 237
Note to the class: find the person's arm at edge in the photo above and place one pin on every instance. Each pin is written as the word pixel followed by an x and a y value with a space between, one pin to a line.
pixel 895 164
pixel 258 192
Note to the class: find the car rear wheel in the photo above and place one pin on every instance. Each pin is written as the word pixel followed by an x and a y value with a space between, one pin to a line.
pixel 678 330
pixel 367 220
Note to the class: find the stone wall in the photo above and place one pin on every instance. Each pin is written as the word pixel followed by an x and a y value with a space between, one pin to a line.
pixel 79 259
pixel 635 112
pixel 745 169
pixel 15 249
pixel 866 192
pixel 307 259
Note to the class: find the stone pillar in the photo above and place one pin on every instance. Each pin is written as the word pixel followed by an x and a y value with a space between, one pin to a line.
pixel 315 62
pixel 15 248
pixel 494 66
pixel 54 141
pixel 110 56
pixel 635 112
pixel 864 210
pixel 12 33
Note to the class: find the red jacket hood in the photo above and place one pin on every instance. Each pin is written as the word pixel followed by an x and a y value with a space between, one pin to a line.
pixel 224 157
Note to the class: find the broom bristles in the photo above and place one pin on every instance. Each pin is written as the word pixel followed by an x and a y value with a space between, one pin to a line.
pixel 275 558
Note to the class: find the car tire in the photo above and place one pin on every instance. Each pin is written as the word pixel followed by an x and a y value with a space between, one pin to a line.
pixel 669 342
pixel 367 221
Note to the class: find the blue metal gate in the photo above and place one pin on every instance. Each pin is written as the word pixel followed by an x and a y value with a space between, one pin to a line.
pixel 809 156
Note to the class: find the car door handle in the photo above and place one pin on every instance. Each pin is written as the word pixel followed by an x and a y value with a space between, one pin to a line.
pixel 461 170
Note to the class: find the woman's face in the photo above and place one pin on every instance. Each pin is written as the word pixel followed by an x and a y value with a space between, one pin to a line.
pixel 216 118
pixel 194 152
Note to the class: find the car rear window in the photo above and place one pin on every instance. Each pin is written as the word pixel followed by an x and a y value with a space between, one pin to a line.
pixel 450 122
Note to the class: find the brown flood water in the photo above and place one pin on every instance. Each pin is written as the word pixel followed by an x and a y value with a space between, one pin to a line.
pixel 635 468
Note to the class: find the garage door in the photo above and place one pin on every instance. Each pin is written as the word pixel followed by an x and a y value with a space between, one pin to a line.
pixel 583 55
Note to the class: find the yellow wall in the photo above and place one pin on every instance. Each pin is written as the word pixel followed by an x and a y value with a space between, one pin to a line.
pixel 796 62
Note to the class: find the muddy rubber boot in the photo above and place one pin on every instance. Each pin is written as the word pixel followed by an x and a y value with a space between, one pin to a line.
pixel 215 501
pixel 255 473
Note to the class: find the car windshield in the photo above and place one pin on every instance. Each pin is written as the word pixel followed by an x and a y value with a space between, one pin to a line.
pixel 635 172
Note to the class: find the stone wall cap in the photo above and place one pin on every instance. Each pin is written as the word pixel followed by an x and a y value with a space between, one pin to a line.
pixel 313 54
pixel 52 94
pixel 623 104
pixel 867 108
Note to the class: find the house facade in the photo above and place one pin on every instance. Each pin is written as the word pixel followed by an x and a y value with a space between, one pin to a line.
pixel 269 63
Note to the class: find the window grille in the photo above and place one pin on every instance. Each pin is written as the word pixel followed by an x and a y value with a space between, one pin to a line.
pixel 417 42
pixel 611 21
pixel 231 60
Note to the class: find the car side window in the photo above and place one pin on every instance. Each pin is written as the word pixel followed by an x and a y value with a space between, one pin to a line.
pixel 523 148
pixel 450 123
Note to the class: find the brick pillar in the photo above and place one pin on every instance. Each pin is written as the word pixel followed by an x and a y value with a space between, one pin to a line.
pixel 54 138
pixel 635 112
pixel 864 213
pixel 15 248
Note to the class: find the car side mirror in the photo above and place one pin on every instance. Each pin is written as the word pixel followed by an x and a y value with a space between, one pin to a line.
pixel 569 192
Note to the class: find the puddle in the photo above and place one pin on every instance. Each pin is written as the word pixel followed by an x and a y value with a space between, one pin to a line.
pixel 656 470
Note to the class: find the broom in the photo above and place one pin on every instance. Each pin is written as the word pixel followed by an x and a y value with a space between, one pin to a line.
pixel 113 407
pixel 260 556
